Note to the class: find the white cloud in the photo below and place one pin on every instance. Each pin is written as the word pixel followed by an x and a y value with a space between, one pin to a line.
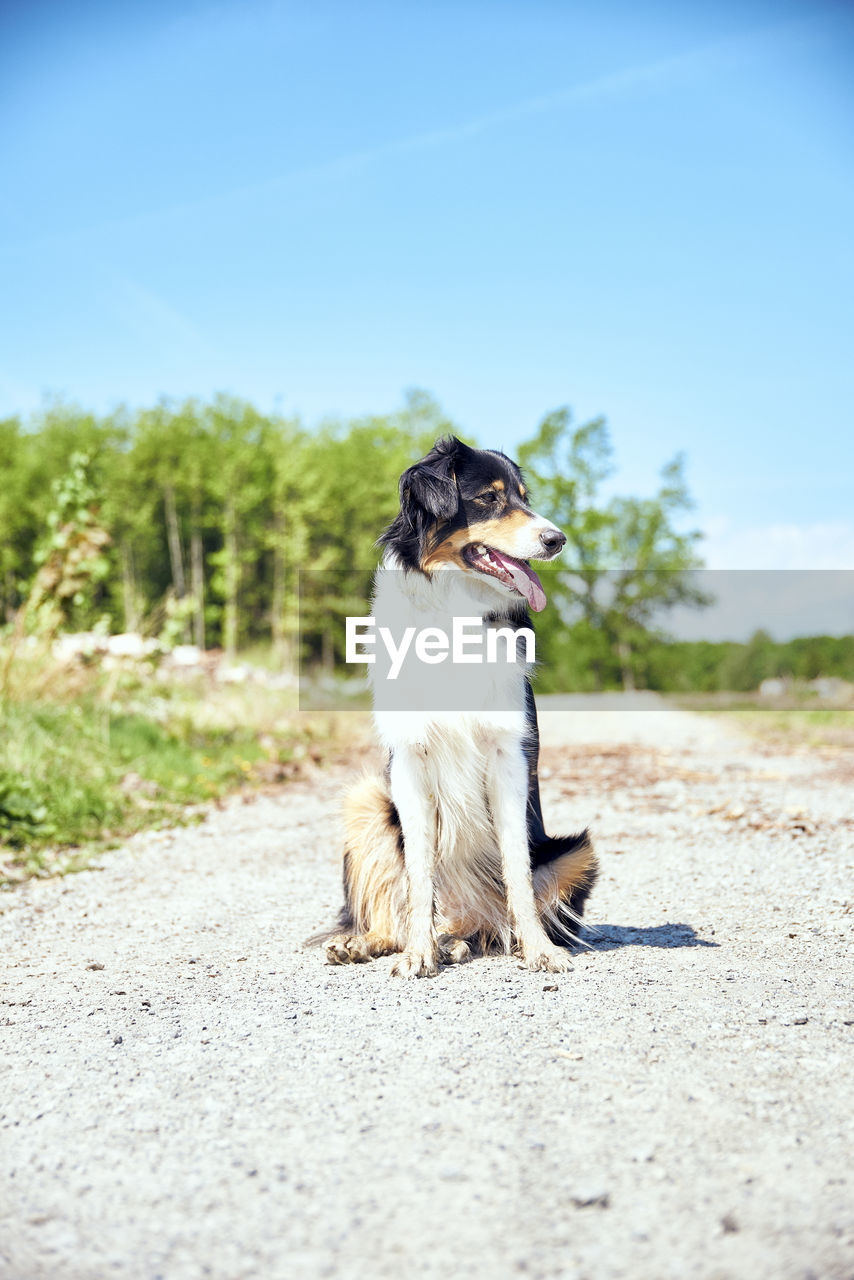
pixel 821 545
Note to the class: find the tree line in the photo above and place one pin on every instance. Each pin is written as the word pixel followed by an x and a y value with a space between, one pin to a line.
pixel 211 509
pixel 698 666
pixel 229 527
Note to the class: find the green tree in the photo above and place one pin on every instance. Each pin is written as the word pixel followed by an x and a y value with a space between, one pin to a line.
pixel 350 493
pixel 627 561
pixel 18 522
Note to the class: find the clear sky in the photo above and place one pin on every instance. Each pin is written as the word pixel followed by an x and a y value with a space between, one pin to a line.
pixel 643 210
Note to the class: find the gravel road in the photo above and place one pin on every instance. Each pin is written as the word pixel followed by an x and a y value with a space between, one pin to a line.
pixel 188 1092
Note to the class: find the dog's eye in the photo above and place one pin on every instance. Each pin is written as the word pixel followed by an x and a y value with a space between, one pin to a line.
pixel 490 497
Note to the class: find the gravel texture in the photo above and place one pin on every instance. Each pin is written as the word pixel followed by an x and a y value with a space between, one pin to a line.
pixel 187 1091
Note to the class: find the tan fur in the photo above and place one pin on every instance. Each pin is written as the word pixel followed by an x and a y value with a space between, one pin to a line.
pixel 454 950
pixel 467 905
pixel 375 865
pixel 494 533
pixel 355 948
pixel 448 551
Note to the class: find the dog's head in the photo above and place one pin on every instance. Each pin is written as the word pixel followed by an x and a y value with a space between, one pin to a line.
pixel 467 509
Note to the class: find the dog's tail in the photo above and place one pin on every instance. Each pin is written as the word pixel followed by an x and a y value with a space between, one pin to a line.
pixel 565 870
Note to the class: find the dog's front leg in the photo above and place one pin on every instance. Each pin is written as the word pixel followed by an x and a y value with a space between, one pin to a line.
pixel 416 809
pixel 507 783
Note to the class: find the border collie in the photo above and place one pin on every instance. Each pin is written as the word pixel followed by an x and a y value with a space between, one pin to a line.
pixel 447 852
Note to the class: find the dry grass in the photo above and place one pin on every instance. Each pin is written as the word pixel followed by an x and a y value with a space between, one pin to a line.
pixel 828 730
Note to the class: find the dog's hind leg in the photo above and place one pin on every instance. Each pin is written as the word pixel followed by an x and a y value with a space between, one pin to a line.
pixel 373 918
pixel 357 948
pixel 453 950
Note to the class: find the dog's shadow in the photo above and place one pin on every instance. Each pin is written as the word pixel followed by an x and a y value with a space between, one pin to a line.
pixel 608 937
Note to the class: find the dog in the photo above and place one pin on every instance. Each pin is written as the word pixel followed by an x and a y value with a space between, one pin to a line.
pixel 446 854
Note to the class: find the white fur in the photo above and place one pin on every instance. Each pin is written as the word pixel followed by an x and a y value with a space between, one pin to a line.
pixel 459 772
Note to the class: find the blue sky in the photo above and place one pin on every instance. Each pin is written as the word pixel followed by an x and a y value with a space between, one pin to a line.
pixel 642 210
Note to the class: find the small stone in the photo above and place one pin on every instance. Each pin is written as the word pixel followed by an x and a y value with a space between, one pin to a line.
pixel 550 986
pixel 729 1225
pixel 94 965
pixel 643 1155
pixel 590 1198
pixel 117 1039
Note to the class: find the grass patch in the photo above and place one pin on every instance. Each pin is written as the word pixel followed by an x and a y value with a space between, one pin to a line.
pixel 91 766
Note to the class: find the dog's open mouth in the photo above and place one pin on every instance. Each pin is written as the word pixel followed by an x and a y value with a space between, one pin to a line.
pixel 516 574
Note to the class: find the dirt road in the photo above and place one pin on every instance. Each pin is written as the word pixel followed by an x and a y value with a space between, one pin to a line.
pixel 187 1092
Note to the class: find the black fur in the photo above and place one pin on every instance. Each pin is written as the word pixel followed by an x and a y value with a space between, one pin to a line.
pixel 428 493
pixel 542 847
pixel 439 495
pixel 536 828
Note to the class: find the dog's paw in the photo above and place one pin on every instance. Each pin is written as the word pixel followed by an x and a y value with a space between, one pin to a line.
pixel 454 951
pixel 416 964
pixel 347 949
pixel 548 959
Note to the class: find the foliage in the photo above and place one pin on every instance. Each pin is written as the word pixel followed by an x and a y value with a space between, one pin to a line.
pixel 626 559
pixel 574 659
pixel 71 558
pixel 23 813
pixel 110 760
pixel 709 667
pixel 212 505
pixel 198 521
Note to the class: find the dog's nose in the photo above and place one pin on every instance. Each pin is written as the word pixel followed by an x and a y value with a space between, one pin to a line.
pixel 553 540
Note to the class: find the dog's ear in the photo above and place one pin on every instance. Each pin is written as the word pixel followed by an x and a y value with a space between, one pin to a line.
pixel 431 484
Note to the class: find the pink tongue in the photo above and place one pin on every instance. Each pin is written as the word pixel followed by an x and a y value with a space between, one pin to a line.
pixel 525 580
